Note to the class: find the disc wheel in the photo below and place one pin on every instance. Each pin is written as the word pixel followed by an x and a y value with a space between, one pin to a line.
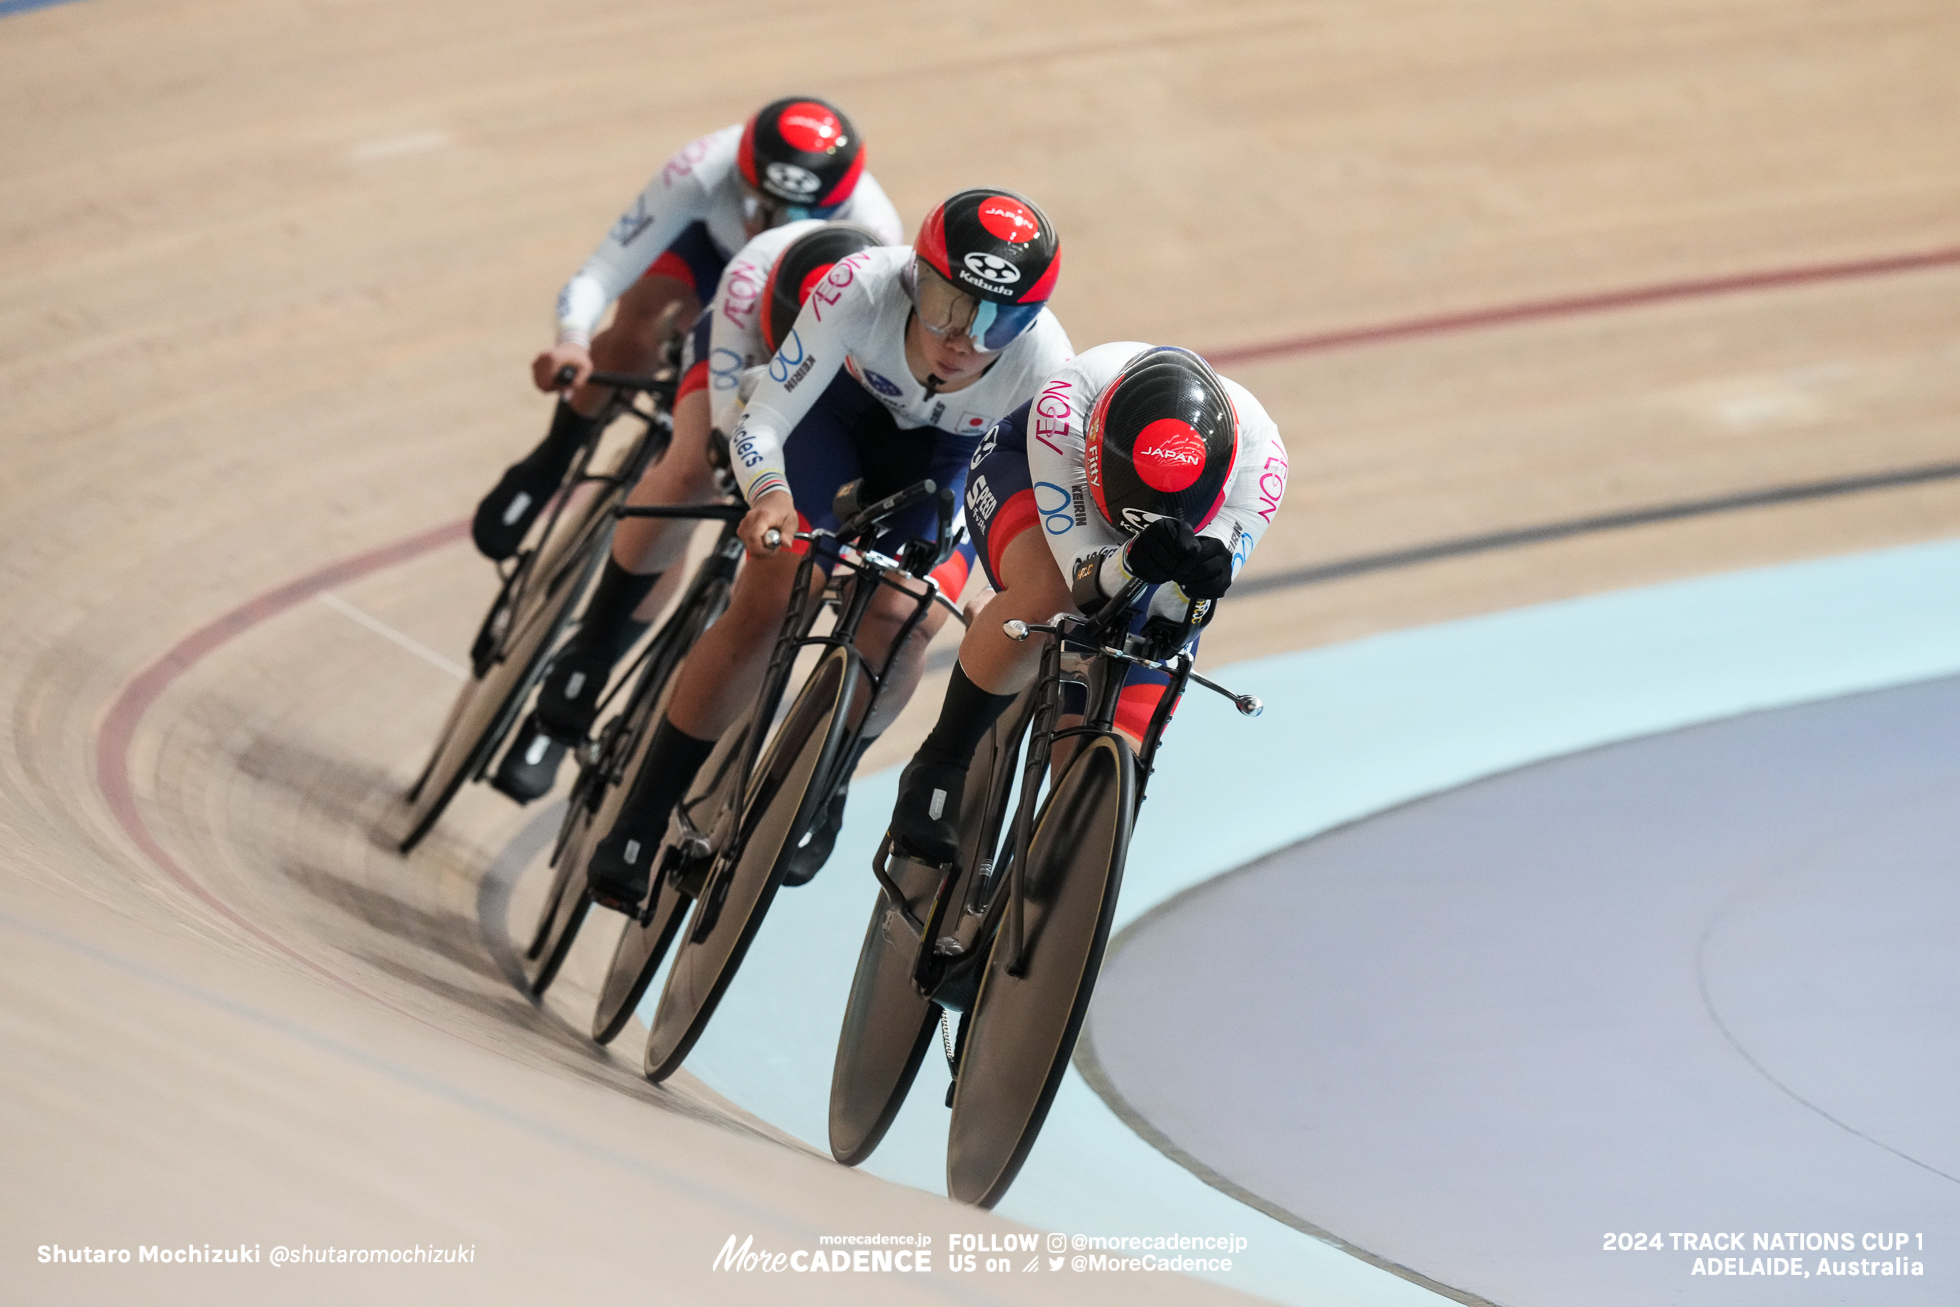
pixel 522 626
pixel 785 796
pixel 641 947
pixel 558 924
pixel 605 782
pixel 887 1021
pixel 1022 1029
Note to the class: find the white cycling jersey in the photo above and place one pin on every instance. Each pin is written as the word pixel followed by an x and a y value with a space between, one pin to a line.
pixel 701 183
pixel 735 342
pixel 1070 520
pixel 855 319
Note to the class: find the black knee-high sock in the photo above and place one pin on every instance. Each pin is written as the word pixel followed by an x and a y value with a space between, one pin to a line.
pixel 965 717
pixel 672 760
pixel 609 626
pixel 569 430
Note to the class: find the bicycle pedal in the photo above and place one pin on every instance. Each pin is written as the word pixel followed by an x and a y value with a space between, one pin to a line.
pixel 629 907
pixel 688 864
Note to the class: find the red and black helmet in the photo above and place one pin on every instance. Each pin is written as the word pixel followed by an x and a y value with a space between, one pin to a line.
pixel 997 250
pixel 804 153
pixel 799 268
pixel 1162 440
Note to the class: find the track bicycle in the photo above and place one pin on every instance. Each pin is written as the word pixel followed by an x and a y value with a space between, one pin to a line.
pixel 540 590
pixel 1010 935
pixel 608 762
pixel 733 838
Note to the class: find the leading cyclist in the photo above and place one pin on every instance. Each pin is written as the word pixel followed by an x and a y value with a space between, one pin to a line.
pixel 797 158
pixel 1131 462
pixel 897 364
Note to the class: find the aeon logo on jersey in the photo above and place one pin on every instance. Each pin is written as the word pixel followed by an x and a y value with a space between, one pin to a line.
pixel 810 128
pixel 1169 455
pixel 1007 219
pixel 788 179
pixel 992 268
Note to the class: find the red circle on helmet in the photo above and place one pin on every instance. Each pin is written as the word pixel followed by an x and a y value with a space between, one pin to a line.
pixel 1169 455
pixel 809 127
pixel 810 281
pixel 1007 219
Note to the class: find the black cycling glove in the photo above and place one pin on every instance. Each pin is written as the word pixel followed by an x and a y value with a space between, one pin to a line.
pixel 1169 550
pixel 1160 550
pixel 1207 572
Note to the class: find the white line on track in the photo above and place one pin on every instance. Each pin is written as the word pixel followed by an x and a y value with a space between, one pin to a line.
pixel 395 146
pixel 387 632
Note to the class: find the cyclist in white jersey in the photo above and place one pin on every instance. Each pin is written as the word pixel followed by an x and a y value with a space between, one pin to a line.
pixel 797 158
pixel 1131 462
pixel 897 364
pixel 751 312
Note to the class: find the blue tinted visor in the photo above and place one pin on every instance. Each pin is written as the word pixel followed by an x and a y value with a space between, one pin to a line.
pixel 996 325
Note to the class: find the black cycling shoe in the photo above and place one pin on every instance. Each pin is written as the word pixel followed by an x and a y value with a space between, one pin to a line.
pixel 621 869
pixel 530 766
pixel 569 700
pixel 807 858
pixel 926 820
pixel 507 512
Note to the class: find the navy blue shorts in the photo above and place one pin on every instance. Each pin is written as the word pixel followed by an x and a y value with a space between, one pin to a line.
pixel 693 260
pixel 848 434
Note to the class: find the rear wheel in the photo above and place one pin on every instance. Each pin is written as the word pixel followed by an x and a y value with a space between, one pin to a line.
pixel 1022 1029
pixel 785 797
pixel 888 1022
pixel 521 628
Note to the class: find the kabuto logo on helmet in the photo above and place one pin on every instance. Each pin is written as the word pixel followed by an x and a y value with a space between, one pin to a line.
pixel 810 128
pixel 1007 219
pixel 788 179
pixel 1169 455
pixel 1135 519
pixel 992 268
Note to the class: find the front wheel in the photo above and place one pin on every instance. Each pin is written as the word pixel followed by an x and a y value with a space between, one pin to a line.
pixel 641 947
pixel 785 797
pixel 522 626
pixel 1022 1029
pixel 887 1021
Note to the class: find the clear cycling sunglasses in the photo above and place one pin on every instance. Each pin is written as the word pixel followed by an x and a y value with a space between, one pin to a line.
pixel 946 310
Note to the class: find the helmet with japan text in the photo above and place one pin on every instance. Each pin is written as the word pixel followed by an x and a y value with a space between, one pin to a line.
pixel 799 268
pixel 983 266
pixel 1162 440
pixel 801 156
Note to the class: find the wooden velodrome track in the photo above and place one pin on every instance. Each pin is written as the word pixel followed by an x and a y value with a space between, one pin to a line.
pixel 269 277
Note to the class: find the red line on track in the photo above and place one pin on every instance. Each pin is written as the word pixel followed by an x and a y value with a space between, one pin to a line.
pixel 1573 306
pixel 118 730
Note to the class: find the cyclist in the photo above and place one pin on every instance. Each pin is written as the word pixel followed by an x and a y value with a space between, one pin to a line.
pixel 750 314
pixel 798 157
pixel 1133 461
pixel 898 363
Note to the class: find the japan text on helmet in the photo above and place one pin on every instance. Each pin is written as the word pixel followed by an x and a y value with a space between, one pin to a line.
pixel 1162 440
pixel 802 157
pixel 799 268
pixel 984 266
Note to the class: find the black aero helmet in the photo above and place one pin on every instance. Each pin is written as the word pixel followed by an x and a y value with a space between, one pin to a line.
pixel 799 268
pixel 1162 440
pixel 984 266
pixel 802 153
